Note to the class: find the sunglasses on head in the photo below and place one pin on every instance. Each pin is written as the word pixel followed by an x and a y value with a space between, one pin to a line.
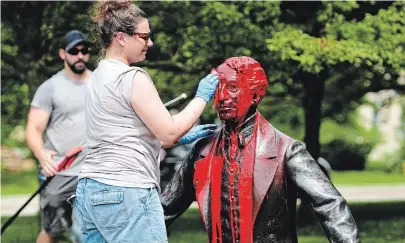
pixel 75 51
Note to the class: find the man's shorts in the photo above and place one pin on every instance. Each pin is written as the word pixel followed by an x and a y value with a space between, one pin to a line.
pixel 56 212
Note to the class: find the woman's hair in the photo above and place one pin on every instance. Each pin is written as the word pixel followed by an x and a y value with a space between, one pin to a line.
pixel 116 16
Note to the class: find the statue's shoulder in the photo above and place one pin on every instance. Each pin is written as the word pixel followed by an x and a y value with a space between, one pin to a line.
pixel 275 136
pixel 283 136
pixel 204 145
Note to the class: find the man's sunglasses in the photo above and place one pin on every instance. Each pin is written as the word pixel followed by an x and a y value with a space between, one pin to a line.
pixel 75 51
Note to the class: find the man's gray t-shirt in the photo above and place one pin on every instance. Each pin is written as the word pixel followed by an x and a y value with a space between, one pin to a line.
pixel 64 99
pixel 122 151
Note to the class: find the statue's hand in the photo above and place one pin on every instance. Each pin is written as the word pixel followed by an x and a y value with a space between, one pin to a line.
pixel 198 132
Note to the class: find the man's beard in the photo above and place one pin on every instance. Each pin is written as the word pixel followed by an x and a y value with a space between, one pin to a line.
pixel 77 70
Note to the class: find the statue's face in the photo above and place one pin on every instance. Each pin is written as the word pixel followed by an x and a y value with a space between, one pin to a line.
pixel 233 97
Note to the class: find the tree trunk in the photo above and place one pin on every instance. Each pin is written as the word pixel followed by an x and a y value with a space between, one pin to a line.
pixel 312 103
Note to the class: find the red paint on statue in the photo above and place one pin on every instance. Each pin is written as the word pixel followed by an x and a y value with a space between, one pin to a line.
pixel 241 222
pixel 216 166
pixel 242 84
pixel 245 186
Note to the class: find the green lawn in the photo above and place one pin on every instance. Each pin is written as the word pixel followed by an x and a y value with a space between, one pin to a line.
pixel 366 178
pixel 27 182
pixel 377 223
pixel 18 183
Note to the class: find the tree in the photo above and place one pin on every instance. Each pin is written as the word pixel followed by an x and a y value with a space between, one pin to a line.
pixel 309 50
pixel 30 40
pixel 343 49
pixel 304 47
pixel 193 37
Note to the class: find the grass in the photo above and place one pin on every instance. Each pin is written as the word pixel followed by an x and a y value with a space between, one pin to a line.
pixel 23 229
pixel 25 182
pixel 355 178
pixel 377 222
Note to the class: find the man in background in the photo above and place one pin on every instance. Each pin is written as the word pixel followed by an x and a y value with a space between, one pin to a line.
pixel 55 125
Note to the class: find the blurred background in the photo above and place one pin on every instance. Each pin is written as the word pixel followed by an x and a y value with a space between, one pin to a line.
pixel 337 82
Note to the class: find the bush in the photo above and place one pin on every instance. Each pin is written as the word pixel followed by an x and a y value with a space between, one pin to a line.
pixel 346 156
pixel 13 136
pixel 392 162
pixel 347 145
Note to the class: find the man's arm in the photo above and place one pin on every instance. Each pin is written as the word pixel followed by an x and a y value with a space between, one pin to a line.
pixel 36 125
pixel 325 201
pixel 178 195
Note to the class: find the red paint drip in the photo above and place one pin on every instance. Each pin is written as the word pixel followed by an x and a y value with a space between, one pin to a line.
pixel 216 166
pixel 233 169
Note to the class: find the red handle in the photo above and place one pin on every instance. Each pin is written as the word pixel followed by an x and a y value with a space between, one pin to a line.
pixel 69 157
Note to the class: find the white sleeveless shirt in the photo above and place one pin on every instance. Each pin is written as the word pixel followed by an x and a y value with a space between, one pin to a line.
pixel 122 151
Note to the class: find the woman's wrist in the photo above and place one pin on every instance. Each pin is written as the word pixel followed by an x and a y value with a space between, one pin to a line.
pixel 201 100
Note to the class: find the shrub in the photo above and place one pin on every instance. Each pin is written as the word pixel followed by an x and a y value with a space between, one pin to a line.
pixel 346 156
pixel 392 162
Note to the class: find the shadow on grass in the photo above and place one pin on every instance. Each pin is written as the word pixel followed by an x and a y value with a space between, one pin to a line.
pixel 377 222
pixel 361 212
pixel 190 220
pixel 24 230
pixel 378 211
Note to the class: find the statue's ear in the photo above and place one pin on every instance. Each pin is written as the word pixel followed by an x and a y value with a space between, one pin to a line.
pixel 256 99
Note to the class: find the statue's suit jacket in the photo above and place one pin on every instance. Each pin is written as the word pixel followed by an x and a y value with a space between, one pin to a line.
pixel 282 168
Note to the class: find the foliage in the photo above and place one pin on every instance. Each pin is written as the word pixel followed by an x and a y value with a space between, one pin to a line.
pixel 29 48
pixel 336 43
pixel 393 161
pixel 14 95
pixel 320 57
pixel 332 52
pixel 346 156
pixel 347 145
pixel 350 131
pixel 398 162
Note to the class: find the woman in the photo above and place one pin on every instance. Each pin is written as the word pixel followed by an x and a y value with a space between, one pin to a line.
pixel 126 122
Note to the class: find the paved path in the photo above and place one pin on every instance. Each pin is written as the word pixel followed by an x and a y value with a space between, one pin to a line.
pixel 376 193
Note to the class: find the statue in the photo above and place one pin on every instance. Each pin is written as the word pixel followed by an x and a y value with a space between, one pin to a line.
pixel 246 177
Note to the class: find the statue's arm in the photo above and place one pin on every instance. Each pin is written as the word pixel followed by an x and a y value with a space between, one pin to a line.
pixel 325 201
pixel 178 195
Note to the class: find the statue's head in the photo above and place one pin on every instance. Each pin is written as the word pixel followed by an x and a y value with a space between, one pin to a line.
pixel 242 85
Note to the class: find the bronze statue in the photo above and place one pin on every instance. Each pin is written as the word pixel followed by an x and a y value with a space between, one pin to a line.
pixel 246 177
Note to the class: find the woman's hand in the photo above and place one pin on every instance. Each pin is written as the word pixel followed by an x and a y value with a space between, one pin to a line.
pixel 207 87
pixel 198 132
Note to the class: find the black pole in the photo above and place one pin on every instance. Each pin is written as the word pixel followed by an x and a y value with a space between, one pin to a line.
pixel 69 155
pixel 11 220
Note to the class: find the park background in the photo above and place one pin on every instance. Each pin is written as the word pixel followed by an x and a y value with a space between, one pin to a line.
pixel 337 82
